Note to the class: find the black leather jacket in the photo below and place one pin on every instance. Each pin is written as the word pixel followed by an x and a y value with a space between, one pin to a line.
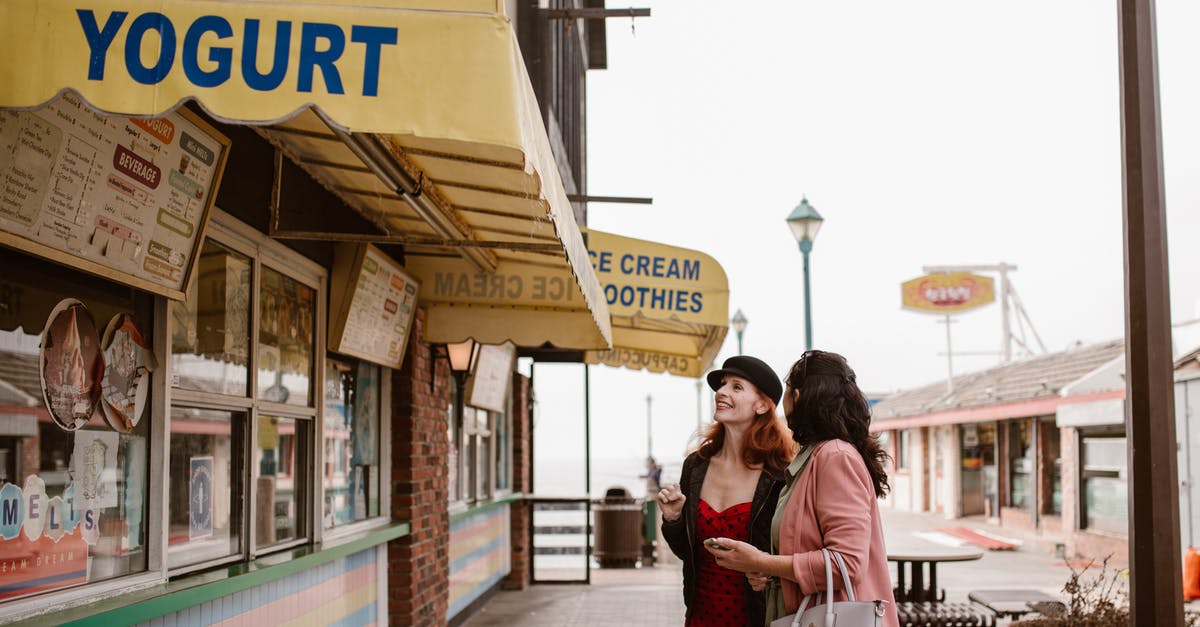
pixel 681 534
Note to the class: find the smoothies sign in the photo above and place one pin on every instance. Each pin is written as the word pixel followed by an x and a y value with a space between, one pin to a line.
pixel 945 293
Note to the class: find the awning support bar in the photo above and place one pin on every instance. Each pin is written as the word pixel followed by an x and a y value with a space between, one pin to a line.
pixel 379 160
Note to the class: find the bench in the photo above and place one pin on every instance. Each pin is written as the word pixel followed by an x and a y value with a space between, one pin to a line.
pixel 1016 603
pixel 943 615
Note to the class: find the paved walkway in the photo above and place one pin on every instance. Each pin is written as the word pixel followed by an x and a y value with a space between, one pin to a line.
pixel 653 596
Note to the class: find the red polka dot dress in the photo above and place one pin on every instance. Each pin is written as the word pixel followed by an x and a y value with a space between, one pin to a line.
pixel 720 592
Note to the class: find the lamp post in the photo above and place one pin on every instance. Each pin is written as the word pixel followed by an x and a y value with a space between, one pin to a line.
pixel 462 358
pixel 805 222
pixel 739 322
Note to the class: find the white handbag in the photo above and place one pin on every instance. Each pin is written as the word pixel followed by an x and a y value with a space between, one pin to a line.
pixel 852 613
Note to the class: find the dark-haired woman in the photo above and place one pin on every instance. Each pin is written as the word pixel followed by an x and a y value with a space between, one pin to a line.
pixel 728 488
pixel 830 496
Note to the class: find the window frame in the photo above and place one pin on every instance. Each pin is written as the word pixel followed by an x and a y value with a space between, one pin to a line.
pixel 231 233
pixel 1114 432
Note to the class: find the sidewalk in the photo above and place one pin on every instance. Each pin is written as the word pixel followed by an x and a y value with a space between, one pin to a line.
pixel 653 596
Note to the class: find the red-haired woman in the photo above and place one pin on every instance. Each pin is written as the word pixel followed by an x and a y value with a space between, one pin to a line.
pixel 728 489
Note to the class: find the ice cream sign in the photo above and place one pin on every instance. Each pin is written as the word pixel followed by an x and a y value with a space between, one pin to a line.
pixel 945 293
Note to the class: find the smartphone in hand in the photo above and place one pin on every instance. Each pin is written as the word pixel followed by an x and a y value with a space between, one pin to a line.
pixel 713 544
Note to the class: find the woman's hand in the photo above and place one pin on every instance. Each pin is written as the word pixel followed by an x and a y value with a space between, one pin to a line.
pixel 734 555
pixel 671 499
pixel 758 581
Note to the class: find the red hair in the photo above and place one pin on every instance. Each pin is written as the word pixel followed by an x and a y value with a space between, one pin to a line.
pixel 767 442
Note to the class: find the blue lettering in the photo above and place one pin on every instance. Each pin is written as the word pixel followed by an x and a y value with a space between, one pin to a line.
pixel 691 270
pixel 673 269
pixel 605 261
pixel 33 506
pixel 99 39
pixel 643 265
pixel 143 23
pixel 658 266
pixel 610 294
pixel 89 520
pixel 627 258
pixel 697 302
pixel 658 299
pixel 54 518
pixel 374 37
pixel 680 295
pixel 223 57
pixel 279 64
pixel 627 296
pixel 311 58
pixel 11 514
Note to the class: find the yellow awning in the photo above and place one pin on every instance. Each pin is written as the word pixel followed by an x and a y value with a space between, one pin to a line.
pixel 419 114
pixel 669 305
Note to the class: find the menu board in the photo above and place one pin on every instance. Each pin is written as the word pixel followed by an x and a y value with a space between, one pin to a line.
pixel 123 198
pixel 375 302
pixel 488 387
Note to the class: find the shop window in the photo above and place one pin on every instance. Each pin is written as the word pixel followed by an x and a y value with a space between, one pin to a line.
pixel 475 469
pixel 351 474
pixel 285 339
pixel 73 495
pixel 1020 464
pixel 210 330
pixel 1051 455
pixel 1105 472
pixel 252 441
pixel 454 438
pixel 206 485
pixel 902 449
pixel 502 445
pixel 281 489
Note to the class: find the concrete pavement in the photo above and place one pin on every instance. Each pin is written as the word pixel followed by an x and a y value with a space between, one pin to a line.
pixel 637 597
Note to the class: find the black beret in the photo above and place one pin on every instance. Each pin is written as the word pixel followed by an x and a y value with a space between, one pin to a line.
pixel 752 369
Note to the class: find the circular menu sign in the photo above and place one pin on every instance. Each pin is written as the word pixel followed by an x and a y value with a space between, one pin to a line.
pixel 128 362
pixel 71 364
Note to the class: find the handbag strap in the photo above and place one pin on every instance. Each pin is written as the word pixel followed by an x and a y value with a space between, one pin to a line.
pixel 841 562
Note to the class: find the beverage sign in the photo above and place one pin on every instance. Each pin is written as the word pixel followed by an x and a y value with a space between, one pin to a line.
pixel 122 198
pixel 945 293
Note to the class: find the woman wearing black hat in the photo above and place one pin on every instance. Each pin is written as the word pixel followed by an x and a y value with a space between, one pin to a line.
pixel 728 489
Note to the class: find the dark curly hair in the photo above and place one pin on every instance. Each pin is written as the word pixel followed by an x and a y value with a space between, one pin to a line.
pixel 831 407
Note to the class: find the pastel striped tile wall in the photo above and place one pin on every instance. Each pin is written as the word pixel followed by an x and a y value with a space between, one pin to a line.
pixel 344 592
pixel 480 555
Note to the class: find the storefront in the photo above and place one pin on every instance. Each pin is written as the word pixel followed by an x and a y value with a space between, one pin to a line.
pixel 1004 444
pixel 215 395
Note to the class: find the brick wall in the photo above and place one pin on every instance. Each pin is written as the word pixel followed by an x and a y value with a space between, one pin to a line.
pixel 522 481
pixel 419 564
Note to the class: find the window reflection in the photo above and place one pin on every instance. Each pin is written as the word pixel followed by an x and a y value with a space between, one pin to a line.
pixel 281 486
pixel 205 513
pixel 210 331
pixel 351 473
pixel 287 309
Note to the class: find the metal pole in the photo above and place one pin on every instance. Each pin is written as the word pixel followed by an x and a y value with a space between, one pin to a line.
pixel 739 336
pixel 949 358
pixel 1154 551
pixel 1005 323
pixel 649 440
pixel 699 411
pixel 587 431
pixel 805 248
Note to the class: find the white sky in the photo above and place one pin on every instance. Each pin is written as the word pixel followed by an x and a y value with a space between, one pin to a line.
pixel 931 132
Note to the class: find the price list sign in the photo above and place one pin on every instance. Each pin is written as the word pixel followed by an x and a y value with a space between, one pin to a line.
pixel 123 198
pixel 378 302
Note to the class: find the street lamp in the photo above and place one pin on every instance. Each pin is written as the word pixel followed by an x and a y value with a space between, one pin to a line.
pixel 805 222
pixel 462 358
pixel 739 323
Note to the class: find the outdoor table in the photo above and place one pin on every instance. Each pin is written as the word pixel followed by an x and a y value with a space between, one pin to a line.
pixel 1011 603
pixel 917 555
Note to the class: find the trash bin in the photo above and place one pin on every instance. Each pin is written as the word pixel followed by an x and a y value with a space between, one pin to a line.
pixel 618 520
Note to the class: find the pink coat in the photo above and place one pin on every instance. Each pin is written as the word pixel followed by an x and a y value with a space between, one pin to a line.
pixel 834 498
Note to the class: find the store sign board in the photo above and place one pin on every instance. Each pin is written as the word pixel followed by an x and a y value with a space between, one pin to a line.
pixel 945 293
pixel 488 387
pixel 678 365
pixel 123 198
pixel 371 310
